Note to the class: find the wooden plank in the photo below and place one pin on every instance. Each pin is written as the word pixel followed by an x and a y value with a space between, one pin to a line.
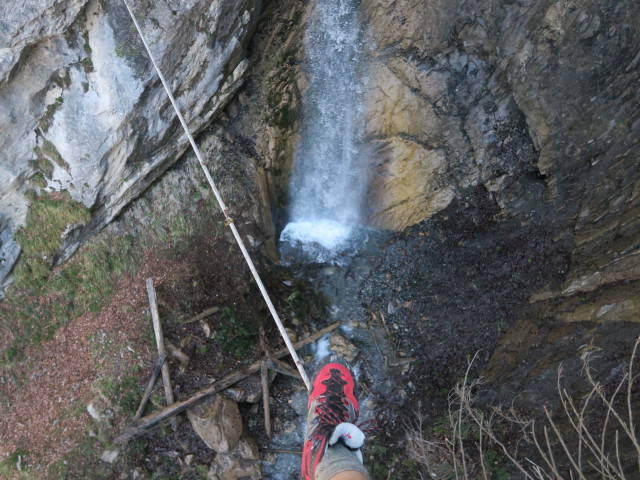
pixel 146 423
pixel 157 328
pixel 149 389
pixel 200 316
pixel 264 373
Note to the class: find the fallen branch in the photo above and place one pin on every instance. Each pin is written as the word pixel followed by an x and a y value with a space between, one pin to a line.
pixel 264 374
pixel 150 385
pixel 200 316
pixel 146 423
pixel 176 353
pixel 283 368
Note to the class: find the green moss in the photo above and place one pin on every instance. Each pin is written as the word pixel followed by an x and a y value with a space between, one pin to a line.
pixel 87 64
pixel 234 337
pixel 86 47
pixel 38 181
pixel 63 81
pixel 48 216
pixel 45 122
pixel 124 50
pixel 284 117
pixel 48 151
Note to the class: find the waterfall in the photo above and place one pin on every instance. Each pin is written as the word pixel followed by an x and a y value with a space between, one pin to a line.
pixel 327 183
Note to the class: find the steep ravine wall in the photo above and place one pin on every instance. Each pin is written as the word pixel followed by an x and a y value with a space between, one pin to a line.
pixel 82 110
pixel 533 102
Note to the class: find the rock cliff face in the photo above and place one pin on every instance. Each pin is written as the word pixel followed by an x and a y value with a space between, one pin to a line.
pixel 532 105
pixel 535 104
pixel 82 110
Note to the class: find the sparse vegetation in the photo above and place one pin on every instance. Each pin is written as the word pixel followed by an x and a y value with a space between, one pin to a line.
pixel 50 217
pixel 125 393
pixel 47 151
pixel 87 64
pixel 232 334
pixel 83 285
pixel 45 121
pixel 124 50
pixel 594 436
pixel 38 181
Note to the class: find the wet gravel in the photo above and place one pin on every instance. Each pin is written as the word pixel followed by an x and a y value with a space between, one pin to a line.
pixel 421 303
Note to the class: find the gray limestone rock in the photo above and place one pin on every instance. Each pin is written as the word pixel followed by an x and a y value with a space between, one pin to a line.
pixel 81 107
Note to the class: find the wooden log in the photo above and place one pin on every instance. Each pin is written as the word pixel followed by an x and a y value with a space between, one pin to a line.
pixel 281 367
pixel 264 376
pixel 146 423
pixel 176 353
pixel 264 373
pixel 200 316
pixel 150 385
pixel 157 328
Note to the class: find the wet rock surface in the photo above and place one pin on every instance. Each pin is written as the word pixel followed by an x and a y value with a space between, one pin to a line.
pixel 500 135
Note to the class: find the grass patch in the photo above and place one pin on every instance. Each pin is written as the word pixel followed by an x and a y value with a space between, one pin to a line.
pixel 81 462
pixel 42 299
pixel 49 216
pixel 45 121
pixel 15 466
pixel 125 393
pixel 234 337
pixel 49 152
pixel 87 64
pixel 38 181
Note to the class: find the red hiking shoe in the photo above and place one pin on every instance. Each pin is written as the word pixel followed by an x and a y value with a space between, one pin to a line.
pixel 331 417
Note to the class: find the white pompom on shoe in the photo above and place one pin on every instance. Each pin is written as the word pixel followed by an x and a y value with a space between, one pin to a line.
pixel 351 436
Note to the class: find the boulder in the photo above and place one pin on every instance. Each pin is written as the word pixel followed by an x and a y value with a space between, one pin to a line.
pixel 217 421
pixel 247 390
pixel 341 346
pixel 243 462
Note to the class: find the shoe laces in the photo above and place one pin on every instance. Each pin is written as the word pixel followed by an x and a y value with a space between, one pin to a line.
pixel 334 408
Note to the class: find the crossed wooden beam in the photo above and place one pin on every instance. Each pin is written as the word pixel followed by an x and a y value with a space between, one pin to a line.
pixel 271 361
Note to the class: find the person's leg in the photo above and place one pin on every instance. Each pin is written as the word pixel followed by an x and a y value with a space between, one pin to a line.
pixel 350 475
pixel 340 462
pixel 333 443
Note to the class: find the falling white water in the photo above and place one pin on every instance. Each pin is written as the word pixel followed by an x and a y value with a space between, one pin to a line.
pixel 327 184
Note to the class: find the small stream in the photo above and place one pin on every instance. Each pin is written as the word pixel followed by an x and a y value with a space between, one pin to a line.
pixel 342 286
pixel 325 235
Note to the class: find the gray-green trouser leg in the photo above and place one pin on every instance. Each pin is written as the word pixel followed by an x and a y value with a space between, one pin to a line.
pixel 336 459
